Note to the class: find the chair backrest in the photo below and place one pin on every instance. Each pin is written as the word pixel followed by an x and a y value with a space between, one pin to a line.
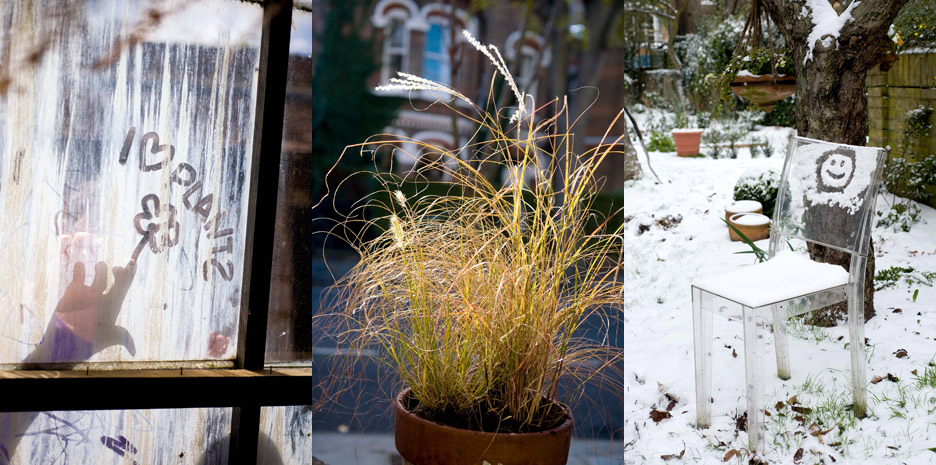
pixel 827 193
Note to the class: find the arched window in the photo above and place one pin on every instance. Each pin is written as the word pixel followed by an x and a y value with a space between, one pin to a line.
pixel 436 65
pixel 396 47
pixel 395 18
pixel 530 50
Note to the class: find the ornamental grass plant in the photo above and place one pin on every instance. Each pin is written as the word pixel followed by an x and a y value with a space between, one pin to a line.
pixel 478 299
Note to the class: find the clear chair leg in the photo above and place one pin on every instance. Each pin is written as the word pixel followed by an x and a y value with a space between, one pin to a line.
pixel 781 349
pixel 856 338
pixel 702 344
pixel 754 348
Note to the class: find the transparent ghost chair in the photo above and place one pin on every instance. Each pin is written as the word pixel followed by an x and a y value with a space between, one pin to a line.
pixel 826 196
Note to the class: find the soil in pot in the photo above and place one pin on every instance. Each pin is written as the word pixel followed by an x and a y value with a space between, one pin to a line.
pixel 425 442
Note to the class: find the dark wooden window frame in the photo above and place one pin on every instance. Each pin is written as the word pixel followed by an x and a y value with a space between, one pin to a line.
pixel 248 386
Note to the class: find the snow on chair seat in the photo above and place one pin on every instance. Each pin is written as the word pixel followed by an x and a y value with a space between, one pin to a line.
pixel 757 285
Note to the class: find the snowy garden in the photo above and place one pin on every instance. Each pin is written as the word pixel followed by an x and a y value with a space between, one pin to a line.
pixel 675 236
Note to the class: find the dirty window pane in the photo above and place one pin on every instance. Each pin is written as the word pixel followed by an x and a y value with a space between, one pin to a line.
pixel 125 130
pixel 292 290
pixel 116 436
pixel 323 93
pixel 293 434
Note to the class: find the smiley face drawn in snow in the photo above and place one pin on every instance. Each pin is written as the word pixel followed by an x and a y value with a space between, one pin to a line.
pixel 835 170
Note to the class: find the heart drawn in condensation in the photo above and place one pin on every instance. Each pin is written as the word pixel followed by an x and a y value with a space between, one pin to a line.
pixel 155 149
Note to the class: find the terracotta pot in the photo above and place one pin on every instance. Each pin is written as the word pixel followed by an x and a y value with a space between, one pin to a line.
pixel 687 141
pixel 424 442
pixel 754 226
pixel 763 90
pixel 741 206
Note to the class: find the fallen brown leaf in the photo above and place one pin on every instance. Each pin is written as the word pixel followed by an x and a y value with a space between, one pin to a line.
pixel 822 433
pixel 798 455
pixel 731 454
pixel 792 400
pixel 741 422
pixel 876 379
pixel 803 410
pixel 901 353
pixel 658 415
pixel 673 456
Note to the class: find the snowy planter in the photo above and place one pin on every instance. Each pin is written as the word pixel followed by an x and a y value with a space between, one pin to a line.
pixel 687 141
pixel 754 226
pixel 765 90
pixel 740 206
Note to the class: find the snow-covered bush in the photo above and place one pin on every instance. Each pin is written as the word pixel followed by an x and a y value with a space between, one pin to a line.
pixel 760 186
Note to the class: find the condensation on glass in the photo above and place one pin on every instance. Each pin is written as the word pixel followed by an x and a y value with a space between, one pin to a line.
pixel 300 273
pixel 116 436
pixel 125 131
pixel 286 435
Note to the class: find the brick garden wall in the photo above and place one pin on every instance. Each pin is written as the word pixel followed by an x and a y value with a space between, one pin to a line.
pixel 911 82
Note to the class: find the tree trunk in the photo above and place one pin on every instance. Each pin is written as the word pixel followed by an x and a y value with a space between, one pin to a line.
pixel 831 106
pixel 830 100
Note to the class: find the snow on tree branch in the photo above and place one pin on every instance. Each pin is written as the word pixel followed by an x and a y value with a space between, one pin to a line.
pixel 827 24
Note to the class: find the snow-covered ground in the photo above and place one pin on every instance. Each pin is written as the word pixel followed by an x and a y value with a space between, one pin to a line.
pixel 661 263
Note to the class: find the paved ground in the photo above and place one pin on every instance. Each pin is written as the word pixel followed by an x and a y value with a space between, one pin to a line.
pixel 377 449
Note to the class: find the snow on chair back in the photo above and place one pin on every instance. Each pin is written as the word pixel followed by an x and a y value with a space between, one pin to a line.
pixel 827 193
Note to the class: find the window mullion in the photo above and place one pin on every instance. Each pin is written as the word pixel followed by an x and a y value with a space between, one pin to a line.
pixel 258 259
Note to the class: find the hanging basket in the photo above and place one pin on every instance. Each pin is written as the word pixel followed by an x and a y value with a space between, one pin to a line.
pixel 763 89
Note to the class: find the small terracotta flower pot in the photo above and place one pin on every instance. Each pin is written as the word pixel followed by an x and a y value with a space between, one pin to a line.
pixel 754 226
pixel 687 141
pixel 424 442
pixel 741 206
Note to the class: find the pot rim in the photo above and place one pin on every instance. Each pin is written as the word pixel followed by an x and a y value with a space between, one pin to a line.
pixel 764 220
pixel 401 409
pixel 763 79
